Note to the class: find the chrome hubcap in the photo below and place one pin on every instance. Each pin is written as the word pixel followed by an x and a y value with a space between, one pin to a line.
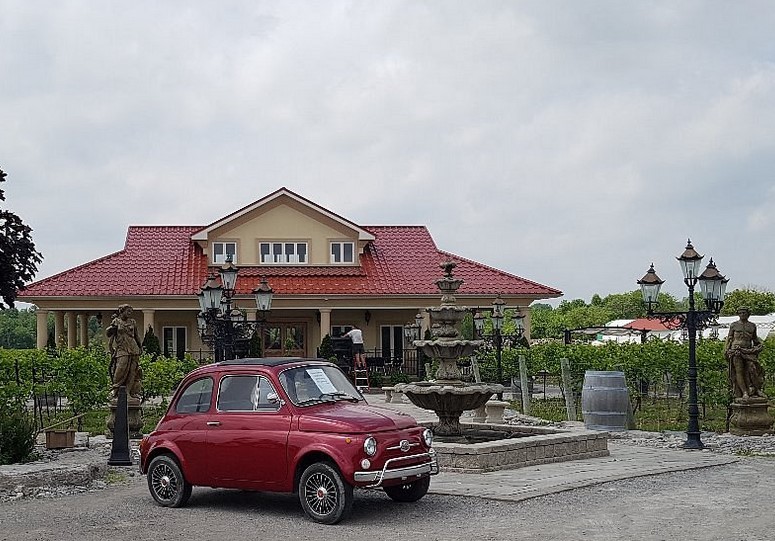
pixel 320 494
pixel 164 482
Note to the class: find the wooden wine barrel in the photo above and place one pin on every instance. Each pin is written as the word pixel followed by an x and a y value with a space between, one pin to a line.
pixel 605 400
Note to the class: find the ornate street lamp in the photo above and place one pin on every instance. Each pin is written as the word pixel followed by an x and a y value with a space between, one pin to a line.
pixel 222 327
pixel 498 337
pixel 713 289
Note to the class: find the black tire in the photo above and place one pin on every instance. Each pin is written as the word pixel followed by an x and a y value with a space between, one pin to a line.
pixel 166 482
pixel 324 495
pixel 409 492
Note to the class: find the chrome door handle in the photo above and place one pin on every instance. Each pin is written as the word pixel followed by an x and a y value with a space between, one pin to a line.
pixel 213 423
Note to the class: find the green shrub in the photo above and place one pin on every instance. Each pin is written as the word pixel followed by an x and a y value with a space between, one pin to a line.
pixel 17 435
pixel 399 377
pixel 160 376
pixel 81 375
pixel 326 349
pixel 375 379
pixel 151 343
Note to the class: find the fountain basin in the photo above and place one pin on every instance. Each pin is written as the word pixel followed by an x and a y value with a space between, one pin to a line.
pixel 448 400
pixel 527 446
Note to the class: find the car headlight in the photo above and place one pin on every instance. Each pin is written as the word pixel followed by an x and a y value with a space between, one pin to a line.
pixel 427 436
pixel 370 446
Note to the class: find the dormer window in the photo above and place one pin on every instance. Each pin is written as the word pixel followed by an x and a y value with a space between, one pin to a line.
pixel 342 252
pixel 283 253
pixel 223 249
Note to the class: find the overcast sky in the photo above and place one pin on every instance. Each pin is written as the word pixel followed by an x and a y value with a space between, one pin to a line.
pixel 568 142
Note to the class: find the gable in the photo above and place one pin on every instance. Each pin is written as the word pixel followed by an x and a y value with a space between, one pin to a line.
pixel 282 218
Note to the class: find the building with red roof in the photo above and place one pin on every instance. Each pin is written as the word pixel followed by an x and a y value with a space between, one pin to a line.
pixel 327 274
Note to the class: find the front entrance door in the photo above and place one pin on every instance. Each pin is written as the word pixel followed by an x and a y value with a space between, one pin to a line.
pixel 285 340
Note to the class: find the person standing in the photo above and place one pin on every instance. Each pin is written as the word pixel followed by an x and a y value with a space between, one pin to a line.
pixel 359 355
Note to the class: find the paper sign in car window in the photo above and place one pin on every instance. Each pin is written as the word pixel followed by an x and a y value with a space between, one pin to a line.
pixel 321 380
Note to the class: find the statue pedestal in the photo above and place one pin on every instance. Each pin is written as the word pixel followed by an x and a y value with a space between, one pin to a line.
pixel 134 421
pixel 750 417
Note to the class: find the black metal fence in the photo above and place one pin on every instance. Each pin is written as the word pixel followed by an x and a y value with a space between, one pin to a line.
pixel 409 362
pixel 45 406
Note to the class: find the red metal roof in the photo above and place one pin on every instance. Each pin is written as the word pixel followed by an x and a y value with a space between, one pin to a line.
pixel 643 324
pixel 163 260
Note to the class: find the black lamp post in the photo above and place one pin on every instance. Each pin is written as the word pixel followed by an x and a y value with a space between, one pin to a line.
pixel 713 289
pixel 498 337
pixel 222 326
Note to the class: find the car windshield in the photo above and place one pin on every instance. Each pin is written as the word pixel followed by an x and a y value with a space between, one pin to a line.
pixel 308 385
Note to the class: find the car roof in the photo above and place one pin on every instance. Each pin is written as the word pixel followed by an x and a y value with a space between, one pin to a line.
pixel 268 361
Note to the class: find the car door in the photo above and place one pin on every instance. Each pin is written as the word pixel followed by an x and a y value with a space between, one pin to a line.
pixel 247 443
pixel 186 426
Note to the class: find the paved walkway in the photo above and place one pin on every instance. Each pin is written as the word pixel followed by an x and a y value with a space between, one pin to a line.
pixel 624 462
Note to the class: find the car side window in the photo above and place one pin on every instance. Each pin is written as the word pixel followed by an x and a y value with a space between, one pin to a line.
pixel 247 393
pixel 196 397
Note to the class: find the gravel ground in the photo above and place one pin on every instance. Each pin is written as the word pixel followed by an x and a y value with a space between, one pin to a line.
pixel 99 449
pixel 721 503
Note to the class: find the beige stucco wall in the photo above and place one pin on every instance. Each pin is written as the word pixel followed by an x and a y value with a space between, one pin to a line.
pixel 284 220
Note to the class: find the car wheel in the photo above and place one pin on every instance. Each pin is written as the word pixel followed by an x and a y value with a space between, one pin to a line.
pixel 324 495
pixel 409 492
pixel 166 482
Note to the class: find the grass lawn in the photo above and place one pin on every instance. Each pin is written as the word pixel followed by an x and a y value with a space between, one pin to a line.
pixel 654 415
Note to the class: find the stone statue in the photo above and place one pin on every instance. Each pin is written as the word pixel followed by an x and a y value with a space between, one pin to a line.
pixel 125 348
pixel 742 349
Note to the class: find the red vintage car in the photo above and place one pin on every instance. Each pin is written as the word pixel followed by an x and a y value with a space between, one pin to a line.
pixel 284 425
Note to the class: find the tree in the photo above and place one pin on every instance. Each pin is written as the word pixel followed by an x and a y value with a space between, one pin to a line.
pixel 151 343
pixel 18 257
pixel 759 301
pixel 17 329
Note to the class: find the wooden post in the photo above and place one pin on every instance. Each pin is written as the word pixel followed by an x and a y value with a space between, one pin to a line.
pixel 524 384
pixel 570 402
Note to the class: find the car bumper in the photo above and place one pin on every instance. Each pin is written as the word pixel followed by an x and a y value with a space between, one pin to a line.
pixel 394 470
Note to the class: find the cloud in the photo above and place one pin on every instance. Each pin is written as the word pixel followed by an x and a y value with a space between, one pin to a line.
pixel 570 143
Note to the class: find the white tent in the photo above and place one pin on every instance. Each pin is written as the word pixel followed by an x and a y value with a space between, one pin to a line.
pixel 764 326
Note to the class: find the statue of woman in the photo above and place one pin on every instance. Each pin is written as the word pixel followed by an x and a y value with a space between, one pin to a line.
pixel 742 350
pixel 125 347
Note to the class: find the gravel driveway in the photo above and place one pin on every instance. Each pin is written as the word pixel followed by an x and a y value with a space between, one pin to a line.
pixel 731 502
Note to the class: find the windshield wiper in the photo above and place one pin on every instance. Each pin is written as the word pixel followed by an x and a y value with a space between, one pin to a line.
pixel 341 395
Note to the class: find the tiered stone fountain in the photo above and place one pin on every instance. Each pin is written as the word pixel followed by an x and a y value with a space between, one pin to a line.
pixel 480 447
pixel 448 395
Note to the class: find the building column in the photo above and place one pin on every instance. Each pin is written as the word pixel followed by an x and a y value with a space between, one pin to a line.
pixel 42 328
pixel 325 322
pixel 149 319
pixel 72 330
pixel 83 323
pixel 59 328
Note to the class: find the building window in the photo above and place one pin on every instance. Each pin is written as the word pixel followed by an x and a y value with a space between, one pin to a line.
pixel 174 342
pixel 342 252
pixel 223 249
pixel 392 342
pixel 283 253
